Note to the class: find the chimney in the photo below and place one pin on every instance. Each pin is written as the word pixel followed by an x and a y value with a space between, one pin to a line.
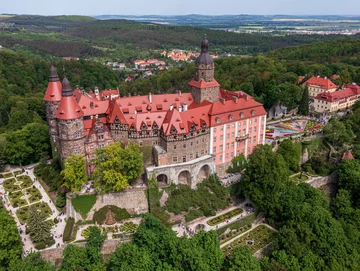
pixel 171 107
pixel 150 97
pixel 246 97
pixel 92 104
pixel 180 108
pixel 222 100
pixel 185 106
pixel 235 99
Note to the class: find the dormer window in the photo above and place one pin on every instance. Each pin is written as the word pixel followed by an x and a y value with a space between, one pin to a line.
pixel 218 120
pixel 253 112
pixel 242 115
pixel 173 130
pixel 230 117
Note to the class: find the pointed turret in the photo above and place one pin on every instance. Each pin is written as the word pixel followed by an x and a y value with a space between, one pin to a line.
pixel 68 108
pixel 70 123
pixel 53 91
pixel 52 100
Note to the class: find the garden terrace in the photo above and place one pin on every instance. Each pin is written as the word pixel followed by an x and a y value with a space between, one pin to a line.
pixel 118 213
pixel 34 194
pixel 10 185
pixel 247 220
pixel 128 227
pixel 221 218
pixel 18 172
pixel 255 239
pixel 23 213
pixel 25 180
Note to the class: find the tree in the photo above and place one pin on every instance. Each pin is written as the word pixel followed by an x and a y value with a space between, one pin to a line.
pixel 290 151
pixel 337 132
pixel 32 262
pixel 238 163
pixel 19 116
pixel 266 173
pixel 10 241
pixel 74 173
pixel 304 102
pixel 342 205
pixel 37 226
pixel 115 166
pixel 349 179
pixel 96 238
pixel 241 259
pixel 131 257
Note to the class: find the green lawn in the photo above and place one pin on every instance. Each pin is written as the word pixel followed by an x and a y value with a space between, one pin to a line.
pixel 83 204
pixel 299 178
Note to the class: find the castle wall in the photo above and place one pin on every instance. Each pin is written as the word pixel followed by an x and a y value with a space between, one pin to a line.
pixel 71 137
pixel 204 72
pixel 201 94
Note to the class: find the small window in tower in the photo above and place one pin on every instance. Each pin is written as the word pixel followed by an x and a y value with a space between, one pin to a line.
pixel 230 117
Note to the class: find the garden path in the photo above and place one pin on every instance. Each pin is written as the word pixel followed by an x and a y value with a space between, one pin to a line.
pixel 55 230
pixel 180 230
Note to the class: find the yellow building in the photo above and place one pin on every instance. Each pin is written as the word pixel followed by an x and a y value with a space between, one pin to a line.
pixel 318 85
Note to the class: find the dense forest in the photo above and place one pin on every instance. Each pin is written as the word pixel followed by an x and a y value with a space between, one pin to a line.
pixel 122 40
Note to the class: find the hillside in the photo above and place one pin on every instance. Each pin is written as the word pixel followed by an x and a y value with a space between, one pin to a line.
pixel 81 36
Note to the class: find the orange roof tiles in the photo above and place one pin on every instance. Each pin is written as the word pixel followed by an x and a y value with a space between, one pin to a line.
pixel 53 92
pixel 321 82
pixel 349 91
pixel 203 84
pixel 69 109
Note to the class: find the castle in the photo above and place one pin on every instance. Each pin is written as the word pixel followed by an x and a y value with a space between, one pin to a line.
pixel 191 134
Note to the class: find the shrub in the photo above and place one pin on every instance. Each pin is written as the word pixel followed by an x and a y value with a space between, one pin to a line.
pixel 45 244
pixel 60 201
pixel 56 220
pixel 68 229
pixel 193 214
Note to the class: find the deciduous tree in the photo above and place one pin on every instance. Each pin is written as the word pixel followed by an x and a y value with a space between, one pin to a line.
pixel 74 174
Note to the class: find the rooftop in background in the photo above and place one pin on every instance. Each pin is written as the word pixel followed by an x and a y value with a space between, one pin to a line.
pixel 322 82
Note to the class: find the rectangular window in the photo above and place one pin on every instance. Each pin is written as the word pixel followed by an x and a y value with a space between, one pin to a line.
pixel 233 135
pixel 174 147
pixel 248 149
pixel 254 139
pixel 227 146
pixel 214 150
pixel 228 136
pixel 214 130
pixel 233 126
pixel 254 129
pixel 238 143
pixel 244 123
pixel 221 148
pixel 221 158
pixel 228 126
pixel 249 140
pixel 214 139
pixel 184 158
pixel 250 122
pixel 222 128
pixel 221 138
pixel 243 151
pixel 202 152
pixel 239 124
pixel 250 130
pixel 232 145
pixel 175 159
pixel 232 154
pixel 255 120
pixel 227 156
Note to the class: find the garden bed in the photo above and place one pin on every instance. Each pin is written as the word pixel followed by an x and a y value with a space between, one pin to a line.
pixel 8 175
pixel 231 234
pixel 23 213
pixel 10 185
pixel 299 178
pixel 128 227
pixel 18 172
pixel 119 214
pixel 26 181
pixel 249 219
pixel 221 218
pixel 34 194
pixel 255 239
pixel 16 200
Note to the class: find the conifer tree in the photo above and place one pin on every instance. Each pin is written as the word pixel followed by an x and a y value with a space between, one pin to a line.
pixel 304 102
pixel 37 226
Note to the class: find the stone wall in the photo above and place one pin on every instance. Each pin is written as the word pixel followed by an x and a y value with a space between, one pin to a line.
pixel 323 180
pixel 133 200
pixel 70 211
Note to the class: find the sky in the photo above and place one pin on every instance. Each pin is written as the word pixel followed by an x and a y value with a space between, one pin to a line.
pixel 181 7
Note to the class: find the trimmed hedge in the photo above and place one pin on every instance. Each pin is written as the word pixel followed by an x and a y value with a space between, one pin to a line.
pixel 119 214
pixel 67 236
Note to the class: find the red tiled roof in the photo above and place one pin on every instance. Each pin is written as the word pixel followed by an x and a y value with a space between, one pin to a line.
pixel 347 155
pixel 349 91
pixel 53 92
pixel 203 84
pixel 69 109
pixel 320 82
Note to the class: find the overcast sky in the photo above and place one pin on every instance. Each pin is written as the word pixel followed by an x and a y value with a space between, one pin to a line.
pixel 181 7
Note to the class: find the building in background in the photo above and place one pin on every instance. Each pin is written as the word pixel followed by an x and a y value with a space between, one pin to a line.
pixel 317 85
